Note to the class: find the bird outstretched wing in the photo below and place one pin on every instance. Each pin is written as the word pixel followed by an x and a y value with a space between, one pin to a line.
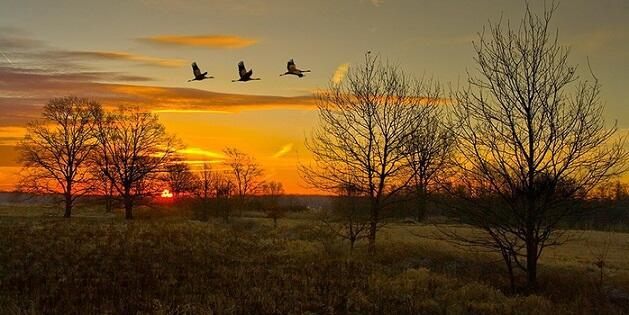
pixel 241 69
pixel 195 69
pixel 291 65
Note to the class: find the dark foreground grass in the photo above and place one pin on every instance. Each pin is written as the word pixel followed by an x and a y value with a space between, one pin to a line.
pixel 81 266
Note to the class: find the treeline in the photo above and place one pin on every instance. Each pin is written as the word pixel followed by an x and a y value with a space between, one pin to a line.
pixel 79 149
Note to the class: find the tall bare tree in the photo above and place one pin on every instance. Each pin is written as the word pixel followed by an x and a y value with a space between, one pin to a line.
pixel 365 123
pixel 246 173
pixel 531 140
pixel 430 152
pixel 56 150
pixel 134 149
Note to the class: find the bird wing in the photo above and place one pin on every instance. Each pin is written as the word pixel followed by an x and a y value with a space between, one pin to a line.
pixel 241 69
pixel 291 65
pixel 195 69
pixel 249 73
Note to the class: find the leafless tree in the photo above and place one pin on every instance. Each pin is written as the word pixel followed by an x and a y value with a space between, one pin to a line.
pixel 134 149
pixel 246 174
pixel 349 216
pixel 270 203
pixel 365 123
pixel 179 178
pixel 206 182
pixel 430 152
pixel 531 141
pixel 56 150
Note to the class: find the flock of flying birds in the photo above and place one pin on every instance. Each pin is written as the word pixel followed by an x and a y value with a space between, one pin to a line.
pixel 244 74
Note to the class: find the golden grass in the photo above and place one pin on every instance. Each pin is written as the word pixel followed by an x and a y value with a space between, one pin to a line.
pixel 165 263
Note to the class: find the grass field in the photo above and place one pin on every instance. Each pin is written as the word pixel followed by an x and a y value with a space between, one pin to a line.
pixel 165 263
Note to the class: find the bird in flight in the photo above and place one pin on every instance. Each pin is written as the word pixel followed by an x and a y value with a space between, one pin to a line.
pixel 198 76
pixel 292 69
pixel 244 74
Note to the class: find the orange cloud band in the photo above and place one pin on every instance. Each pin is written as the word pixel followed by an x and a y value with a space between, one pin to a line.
pixel 210 41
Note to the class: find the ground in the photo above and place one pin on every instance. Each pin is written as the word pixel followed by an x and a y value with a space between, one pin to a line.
pixel 166 263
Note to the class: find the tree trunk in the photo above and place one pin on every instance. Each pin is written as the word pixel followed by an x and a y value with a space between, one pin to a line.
pixel 509 263
pixel 373 227
pixel 68 205
pixel 421 205
pixel 128 207
pixel 531 263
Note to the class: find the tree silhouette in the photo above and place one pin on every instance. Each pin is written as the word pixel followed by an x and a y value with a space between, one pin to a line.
pixel 134 149
pixel 56 150
pixel 246 174
pixel 530 141
pixel 179 178
pixel 365 124
pixel 430 152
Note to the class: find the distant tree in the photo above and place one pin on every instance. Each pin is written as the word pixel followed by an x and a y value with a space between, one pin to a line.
pixel 530 142
pixel 56 150
pixel 179 178
pixel 349 216
pixel 430 152
pixel 365 124
pixel 205 183
pixel 270 203
pixel 224 192
pixel 134 149
pixel 246 174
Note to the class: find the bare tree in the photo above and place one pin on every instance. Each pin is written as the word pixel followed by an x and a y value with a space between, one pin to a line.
pixel 365 124
pixel 134 148
pixel 430 152
pixel 56 150
pixel 206 182
pixel 349 216
pixel 246 174
pixel 270 203
pixel 179 178
pixel 531 141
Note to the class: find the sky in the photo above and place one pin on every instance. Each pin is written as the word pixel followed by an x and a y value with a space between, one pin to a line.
pixel 139 52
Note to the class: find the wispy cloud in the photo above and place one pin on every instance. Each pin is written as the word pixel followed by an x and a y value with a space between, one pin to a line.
pixel 201 152
pixel 340 73
pixel 125 56
pixel 24 91
pixel 209 41
pixel 285 149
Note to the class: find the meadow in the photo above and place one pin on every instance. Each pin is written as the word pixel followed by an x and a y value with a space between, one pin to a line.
pixel 164 262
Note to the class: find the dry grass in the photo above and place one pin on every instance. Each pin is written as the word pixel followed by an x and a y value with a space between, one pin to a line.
pixel 171 265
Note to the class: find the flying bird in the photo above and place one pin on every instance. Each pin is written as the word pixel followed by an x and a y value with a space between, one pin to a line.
pixel 198 76
pixel 292 69
pixel 244 74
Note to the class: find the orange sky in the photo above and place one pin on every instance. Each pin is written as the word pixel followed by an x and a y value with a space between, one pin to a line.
pixel 138 52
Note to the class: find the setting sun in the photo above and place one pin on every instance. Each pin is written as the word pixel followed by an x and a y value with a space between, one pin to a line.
pixel 166 194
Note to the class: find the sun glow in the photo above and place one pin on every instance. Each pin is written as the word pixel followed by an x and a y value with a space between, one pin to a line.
pixel 166 194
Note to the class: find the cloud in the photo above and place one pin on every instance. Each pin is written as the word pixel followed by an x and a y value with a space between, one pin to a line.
pixel 201 152
pixel 285 149
pixel 340 73
pixel 24 91
pixel 209 41
pixel 124 56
